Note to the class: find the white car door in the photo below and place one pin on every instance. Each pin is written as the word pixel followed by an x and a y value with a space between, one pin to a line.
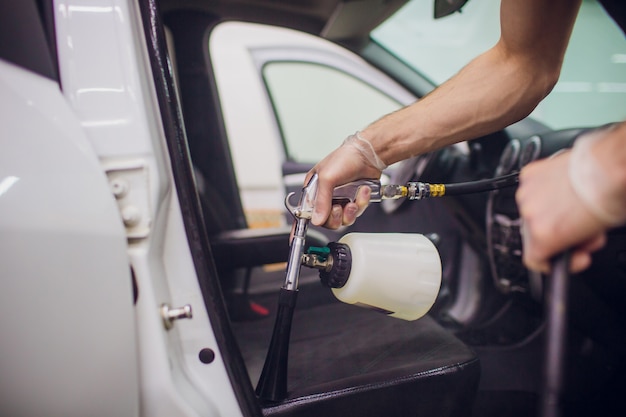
pixel 288 99
pixel 66 304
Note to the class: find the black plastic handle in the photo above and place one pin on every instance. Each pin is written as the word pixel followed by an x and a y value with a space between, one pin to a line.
pixel 557 299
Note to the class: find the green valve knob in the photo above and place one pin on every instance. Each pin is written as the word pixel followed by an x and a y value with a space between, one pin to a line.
pixel 321 252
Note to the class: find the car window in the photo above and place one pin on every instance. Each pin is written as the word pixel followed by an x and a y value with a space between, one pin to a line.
pixel 592 87
pixel 316 106
pixel 289 96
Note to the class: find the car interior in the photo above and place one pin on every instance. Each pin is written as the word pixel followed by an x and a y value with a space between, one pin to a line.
pixel 479 352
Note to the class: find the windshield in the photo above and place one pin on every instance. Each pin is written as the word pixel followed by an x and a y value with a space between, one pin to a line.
pixel 592 87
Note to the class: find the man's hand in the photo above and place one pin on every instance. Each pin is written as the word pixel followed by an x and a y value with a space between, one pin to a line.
pixel 554 218
pixel 340 167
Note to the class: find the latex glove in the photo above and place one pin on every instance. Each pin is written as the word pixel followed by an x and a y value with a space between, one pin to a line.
pixel 554 218
pixel 354 159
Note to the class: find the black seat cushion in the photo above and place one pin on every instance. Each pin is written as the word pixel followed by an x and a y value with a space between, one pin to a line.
pixel 345 360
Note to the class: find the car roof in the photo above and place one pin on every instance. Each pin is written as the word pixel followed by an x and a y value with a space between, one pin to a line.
pixel 348 22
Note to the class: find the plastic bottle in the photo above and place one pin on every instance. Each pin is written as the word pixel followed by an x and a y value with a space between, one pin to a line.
pixel 396 273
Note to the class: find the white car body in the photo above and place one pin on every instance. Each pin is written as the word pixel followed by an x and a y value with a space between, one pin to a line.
pixel 84 169
pixel 74 343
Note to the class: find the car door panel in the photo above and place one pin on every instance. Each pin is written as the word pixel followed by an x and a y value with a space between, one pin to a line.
pixel 285 132
pixel 63 262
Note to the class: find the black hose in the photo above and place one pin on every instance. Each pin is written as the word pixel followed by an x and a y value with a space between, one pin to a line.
pixel 557 298
pixel 480 186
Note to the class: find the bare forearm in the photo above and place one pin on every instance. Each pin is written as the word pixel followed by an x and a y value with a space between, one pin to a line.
pixel 498 88
pixel 485 96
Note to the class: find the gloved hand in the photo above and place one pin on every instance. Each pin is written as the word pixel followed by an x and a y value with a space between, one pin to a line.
pixel 554 218
pixel 354 159
pixel 571 200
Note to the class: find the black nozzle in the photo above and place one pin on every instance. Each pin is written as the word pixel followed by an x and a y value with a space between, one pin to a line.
pixel 272 386
pixel 342 264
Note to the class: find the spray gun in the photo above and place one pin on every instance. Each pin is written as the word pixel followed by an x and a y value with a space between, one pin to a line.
pixel 272 384
pixel 353 274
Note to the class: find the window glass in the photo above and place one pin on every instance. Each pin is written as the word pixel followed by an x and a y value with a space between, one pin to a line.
pixel 592 87
pixel 317 106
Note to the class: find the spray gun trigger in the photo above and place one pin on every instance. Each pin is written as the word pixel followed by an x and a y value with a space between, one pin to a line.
pixel 347 193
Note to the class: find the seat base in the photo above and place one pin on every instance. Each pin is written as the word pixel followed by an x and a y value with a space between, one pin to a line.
pixel 345 360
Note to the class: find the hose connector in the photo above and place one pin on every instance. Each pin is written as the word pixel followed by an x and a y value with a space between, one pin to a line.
pixel 421 190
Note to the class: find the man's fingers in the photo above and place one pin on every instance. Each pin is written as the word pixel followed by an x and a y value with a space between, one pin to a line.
pixel 335 219
pixel 581 257
pixel 595 243
pixel 353 210
pixel 580 260
pixel 535 264
pixel 322 207
pixel 350 213
pixel 362 199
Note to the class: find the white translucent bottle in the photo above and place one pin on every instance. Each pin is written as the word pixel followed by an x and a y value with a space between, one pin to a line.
pixel 396 273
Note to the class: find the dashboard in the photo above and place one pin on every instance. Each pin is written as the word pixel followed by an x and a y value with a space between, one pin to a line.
pixel 489 222
pixel 480 242
pixel 503 223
